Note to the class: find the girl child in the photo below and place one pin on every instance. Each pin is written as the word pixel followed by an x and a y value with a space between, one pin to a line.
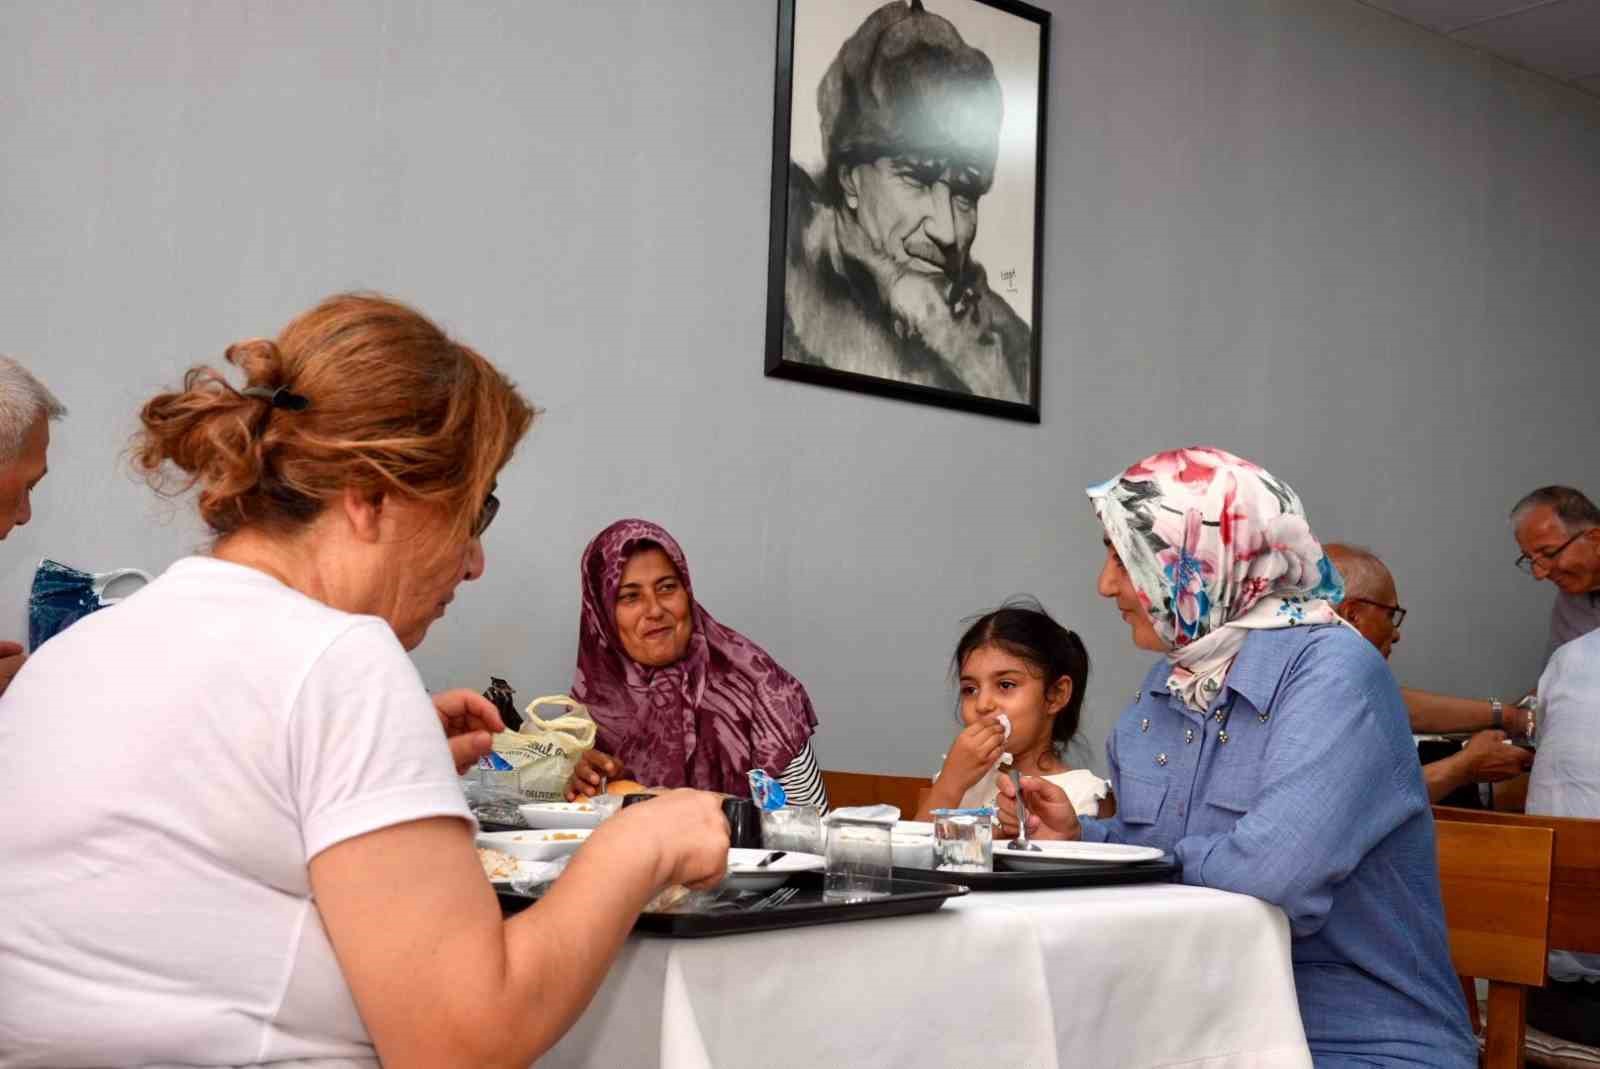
pixel 1017 666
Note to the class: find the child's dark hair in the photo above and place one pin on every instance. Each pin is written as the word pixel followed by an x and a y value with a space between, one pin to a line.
pixel 1023 629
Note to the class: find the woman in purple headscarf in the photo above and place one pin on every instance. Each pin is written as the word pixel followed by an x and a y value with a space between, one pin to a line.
pixel 680 700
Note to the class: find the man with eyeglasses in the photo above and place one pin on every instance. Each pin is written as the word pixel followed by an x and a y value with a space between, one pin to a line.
pixel 1371 605
pixel 1558 530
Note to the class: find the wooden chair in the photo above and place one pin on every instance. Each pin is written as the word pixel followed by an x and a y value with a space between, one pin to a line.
pixel 1574 884
pixel 1495 882
pixel 870 788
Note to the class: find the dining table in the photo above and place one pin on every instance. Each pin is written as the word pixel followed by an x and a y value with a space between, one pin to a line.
pixel 1139 976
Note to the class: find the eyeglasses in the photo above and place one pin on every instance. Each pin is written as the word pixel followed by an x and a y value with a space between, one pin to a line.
pixel 486 515
pixel 1397 615
pixel 1546 557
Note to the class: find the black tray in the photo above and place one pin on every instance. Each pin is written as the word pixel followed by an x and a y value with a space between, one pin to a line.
pixel 920 895
pixel 1065 874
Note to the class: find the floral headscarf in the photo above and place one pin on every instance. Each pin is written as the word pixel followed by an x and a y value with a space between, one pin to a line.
pixel 704 721
pixel 1216 547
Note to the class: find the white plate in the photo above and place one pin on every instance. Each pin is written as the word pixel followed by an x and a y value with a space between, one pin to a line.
pixel 535 845
pixel 744 876
pixel 560 814
pixel 525 868
pixel 1051 852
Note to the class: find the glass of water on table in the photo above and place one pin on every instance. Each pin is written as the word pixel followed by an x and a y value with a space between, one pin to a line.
pixel 963 839
pixel 859 854
pixel 796 828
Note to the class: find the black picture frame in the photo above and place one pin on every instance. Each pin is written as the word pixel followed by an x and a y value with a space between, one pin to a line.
pixel 798 202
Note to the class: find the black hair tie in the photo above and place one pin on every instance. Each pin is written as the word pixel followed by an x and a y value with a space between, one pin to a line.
pixel 282 397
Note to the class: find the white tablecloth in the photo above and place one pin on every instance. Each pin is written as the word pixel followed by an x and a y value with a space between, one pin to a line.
pixel 1141 976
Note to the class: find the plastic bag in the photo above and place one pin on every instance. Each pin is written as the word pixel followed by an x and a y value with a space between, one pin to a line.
pixel 63 596
pixel 538 759
pixel 767 793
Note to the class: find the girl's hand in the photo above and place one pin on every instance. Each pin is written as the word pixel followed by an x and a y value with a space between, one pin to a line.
pixel 1050 812
pixel 593 769
pixel 973 754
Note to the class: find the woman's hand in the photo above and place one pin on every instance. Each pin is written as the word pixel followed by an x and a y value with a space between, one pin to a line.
pixel 470 723
pixel 588 779
pixel 687 828
pixel 1050 812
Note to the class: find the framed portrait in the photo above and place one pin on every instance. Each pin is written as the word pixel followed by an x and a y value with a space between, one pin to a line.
pixel 907 200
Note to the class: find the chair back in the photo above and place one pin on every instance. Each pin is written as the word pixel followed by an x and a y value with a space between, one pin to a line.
pixel 1495 882
pixel 1574 874
pixel 870 788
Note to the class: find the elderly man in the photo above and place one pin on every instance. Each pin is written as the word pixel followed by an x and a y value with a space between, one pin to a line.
pixel 1566 783
pixel 26 409
pixel 880 278
pixel 1372 606
pixel 1558 530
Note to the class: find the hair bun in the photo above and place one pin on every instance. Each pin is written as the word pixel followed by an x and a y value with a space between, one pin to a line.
pixel 259 359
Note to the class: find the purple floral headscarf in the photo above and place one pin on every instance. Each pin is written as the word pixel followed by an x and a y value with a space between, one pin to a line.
pixel 1216 547
pixel 704 721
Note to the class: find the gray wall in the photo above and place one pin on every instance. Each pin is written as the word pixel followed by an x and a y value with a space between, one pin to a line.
pixel 1301 230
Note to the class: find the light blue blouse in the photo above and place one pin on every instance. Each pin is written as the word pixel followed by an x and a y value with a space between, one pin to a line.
pixel 1301 786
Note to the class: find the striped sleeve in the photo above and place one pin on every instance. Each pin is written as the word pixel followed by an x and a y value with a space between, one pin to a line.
pixel 802 781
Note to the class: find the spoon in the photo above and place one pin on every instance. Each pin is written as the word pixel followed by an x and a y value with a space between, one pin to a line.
pixel 776 854
pixel 1021 841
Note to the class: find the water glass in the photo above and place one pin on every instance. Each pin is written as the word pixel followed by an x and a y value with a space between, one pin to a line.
pixel 963 840
pixel 796 828
pixel 860 861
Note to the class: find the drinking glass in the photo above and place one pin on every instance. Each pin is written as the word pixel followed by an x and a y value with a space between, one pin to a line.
pixel 963 840
pixel 860 861
pixel 797 828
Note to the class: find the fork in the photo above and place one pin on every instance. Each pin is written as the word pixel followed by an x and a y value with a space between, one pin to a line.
pixel 1021 841
pixel 775 899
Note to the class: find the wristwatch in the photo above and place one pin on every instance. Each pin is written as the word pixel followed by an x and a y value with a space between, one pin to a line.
pixel 1498 708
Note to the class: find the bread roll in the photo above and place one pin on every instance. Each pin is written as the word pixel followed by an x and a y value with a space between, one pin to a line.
pixel 624 787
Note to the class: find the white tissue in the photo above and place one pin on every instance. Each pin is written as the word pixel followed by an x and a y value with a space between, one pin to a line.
pixel 863 814
pixel 1005 722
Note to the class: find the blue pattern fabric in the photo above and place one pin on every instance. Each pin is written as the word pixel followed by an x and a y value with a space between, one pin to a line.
pixel 60 596
pixel 1299 785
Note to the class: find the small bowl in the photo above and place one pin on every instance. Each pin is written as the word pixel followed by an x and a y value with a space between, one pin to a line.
pixel 535 845
pixel 912 851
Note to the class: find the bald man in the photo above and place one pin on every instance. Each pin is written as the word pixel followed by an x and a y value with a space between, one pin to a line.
pixel 1372 606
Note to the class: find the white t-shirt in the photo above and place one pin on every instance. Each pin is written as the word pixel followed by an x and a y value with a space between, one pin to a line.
pixel 168 768
pixel 1566 771
pixel 1084 789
